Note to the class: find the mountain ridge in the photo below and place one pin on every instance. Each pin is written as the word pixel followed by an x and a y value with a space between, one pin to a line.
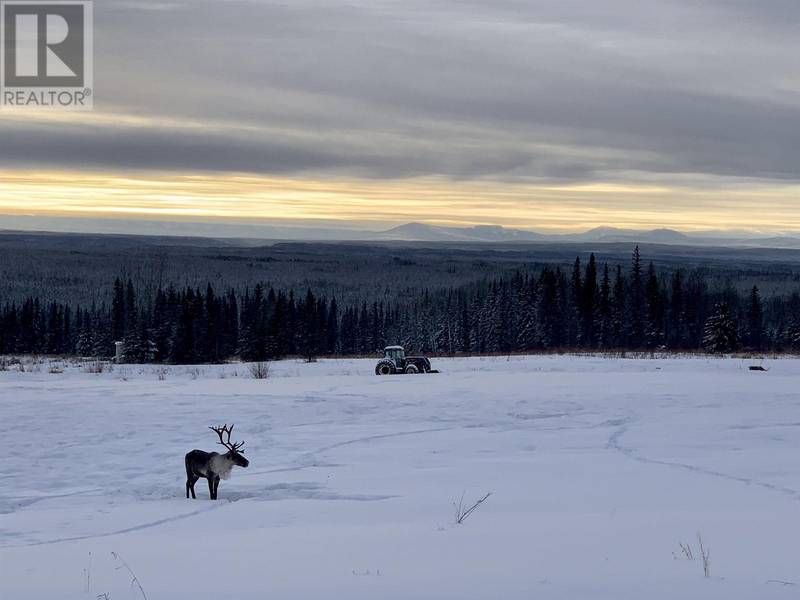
pixel 256 232
pixel 422 232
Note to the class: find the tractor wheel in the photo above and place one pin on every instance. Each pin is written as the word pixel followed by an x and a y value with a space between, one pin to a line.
pixel 384 367
pixel 412 370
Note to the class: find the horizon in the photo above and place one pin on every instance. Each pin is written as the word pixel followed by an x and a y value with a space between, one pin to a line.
pixel 411 231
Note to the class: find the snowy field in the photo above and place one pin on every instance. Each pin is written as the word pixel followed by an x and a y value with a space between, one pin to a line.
pixel 598 468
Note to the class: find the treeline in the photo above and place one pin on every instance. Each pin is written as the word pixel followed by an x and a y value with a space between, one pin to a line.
pixel 590 307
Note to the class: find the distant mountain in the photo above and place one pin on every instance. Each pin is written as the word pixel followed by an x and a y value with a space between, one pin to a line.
pixel 614 234
pixel 420 232
pixel 256 233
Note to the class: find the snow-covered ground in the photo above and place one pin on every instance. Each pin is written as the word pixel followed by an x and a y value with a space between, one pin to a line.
pixel 598 468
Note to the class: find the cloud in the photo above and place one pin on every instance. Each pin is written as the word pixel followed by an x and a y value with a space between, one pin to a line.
pixel 543 90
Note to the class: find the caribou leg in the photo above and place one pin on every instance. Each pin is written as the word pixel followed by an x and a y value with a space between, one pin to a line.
pixel 211 493
pixel 191 478
pixel 216 487
pixel 190 486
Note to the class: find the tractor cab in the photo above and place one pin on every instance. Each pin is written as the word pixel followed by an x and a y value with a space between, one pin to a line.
pixel 396 354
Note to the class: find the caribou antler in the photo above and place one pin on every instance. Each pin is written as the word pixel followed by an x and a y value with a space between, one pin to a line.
pixel 234 447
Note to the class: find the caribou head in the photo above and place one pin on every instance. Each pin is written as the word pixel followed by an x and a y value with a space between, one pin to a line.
pixel 234 453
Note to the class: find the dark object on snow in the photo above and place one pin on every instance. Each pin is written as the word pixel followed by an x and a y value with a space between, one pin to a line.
pixel 757 368
pixel 213 465
pixel 395 361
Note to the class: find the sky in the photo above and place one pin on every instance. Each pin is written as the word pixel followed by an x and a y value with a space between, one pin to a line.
pixel 550 115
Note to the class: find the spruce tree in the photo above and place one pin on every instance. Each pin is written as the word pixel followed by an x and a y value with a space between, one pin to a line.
pixel 606 324
pixel 183 350
pixel 677 316
pixel 654 327
pixel 618 312
pixel 589 305
pixel 721 331
pixel 755 320
pixel 792 334
pixel 636 302
pixel 332 333
pixel 549 310
pixel 134 343
pixel 573 305
pixel 308 332
pixel 118 311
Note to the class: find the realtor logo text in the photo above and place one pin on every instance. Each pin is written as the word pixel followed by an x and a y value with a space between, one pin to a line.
pixel 46 54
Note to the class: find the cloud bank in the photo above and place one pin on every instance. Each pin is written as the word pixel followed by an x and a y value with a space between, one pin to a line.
pixel 699 95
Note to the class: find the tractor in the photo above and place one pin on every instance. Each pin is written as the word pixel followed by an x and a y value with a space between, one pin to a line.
pixel 396 362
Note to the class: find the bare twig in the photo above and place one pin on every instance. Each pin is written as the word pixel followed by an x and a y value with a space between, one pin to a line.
pixel 88 571
pixel 705 553
pixel 686 550
pixel 458 506
pixel 134 580
pixel 462 512
pixel 259 370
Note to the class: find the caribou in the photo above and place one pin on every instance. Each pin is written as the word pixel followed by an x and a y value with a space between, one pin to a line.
pixel 213 465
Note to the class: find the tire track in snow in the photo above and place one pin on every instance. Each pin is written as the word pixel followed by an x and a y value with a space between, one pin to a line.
pixel 148 525
pixel 310 456
pixel 302 462
pixel 383 436
pixel 632 453
pixel 14 503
